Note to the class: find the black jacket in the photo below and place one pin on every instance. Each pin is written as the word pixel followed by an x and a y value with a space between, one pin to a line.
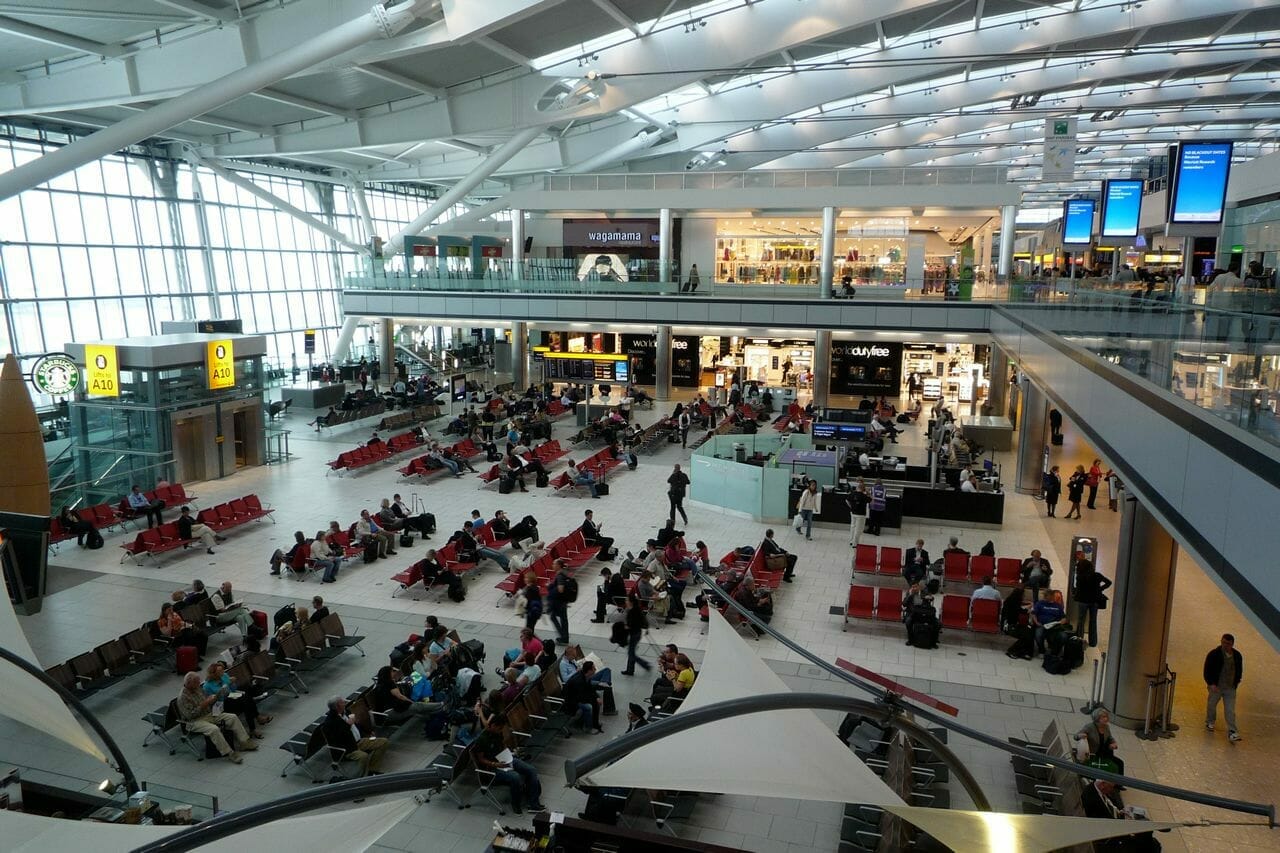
pixel 1213 666
pixel 909 557
pixel 666 534
pixel 1089 587
pixel 770 547
pixel 337 732
pixel 678 483
pixel 578 691
pixel 590 533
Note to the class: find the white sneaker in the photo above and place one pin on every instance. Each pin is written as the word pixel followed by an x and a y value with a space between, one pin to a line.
pixel 1208 727
pixel 1233 736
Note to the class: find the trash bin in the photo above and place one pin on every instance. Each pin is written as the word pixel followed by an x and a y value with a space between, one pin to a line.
pixel 739 452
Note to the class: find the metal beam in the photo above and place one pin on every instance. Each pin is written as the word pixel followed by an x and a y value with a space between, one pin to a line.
pixel 200 10
pixel 275 201
pixel 378 22
pixel 303 103
pixel 89 14
pixel 400 80
pixel 458 191
pixel 505 52
pixel 35 32
pixel 618 15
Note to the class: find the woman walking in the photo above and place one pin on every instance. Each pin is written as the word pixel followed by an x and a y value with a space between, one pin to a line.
pixel 1075 491
pixel 810 504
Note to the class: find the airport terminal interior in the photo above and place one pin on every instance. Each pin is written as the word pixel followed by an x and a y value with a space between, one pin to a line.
pixel 872 407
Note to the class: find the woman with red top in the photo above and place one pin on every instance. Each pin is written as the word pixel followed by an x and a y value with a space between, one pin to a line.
pixel 1093 481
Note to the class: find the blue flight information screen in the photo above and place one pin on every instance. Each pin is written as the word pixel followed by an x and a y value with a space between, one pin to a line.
pixel 1121 207
pixel 1200 182
pixel 1077 221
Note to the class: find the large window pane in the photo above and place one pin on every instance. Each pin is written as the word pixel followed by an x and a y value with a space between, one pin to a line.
pixel 76 274
pixel 111 318
pixel 39 216
pixel 15 263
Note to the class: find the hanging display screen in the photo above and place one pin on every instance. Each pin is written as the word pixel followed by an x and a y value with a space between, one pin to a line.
pixel 1121 207
pixel 1199 188
pixel 586 366
pixel 1077 221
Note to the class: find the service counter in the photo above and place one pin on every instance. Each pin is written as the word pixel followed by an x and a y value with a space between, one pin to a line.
pixel 316 395
pixel 992 432
pixel 913 501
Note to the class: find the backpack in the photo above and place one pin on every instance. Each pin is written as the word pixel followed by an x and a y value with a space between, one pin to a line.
pixel 618 634
pixel 1072 652
pixel 94 540
pixel 457 592
pixel 570 590
pixel 283 615
pixel 1055 665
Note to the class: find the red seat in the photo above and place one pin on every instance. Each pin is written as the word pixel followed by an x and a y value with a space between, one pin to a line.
pixel 980 567
pixel 1008 571
pixel 986 616
pixel 890 560
pixel 240 510
pixel 407 578
pixel 862 603
pixel 864 558
pixel 490 476
pixel 104 516
pixel 889 604
pixel 179 492
pixel 955 611
pixel 955 566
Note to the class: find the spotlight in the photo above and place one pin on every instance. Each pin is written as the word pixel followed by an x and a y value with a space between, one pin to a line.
pixel 108 787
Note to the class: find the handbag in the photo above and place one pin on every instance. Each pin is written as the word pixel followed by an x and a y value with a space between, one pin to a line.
pixel 1102 601
pixel 776 562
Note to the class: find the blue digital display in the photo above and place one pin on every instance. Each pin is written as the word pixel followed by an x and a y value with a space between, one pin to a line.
pixel 1077 221
pixel 1200 182
pixel 1121 207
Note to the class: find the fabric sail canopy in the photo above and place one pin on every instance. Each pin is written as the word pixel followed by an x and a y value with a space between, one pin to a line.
pixel 793 755
pixel 790 754
pixel 349 830
pixel 28 700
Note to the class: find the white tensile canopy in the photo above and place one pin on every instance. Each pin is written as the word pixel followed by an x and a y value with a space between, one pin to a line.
pixel 342 829
pixel 794 755
pixel 28 700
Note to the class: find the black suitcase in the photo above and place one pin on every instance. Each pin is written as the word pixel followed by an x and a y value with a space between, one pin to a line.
pixel 406 540
pixel 504 486
pixel 1057 440
pixel 602 489
pixel 543 480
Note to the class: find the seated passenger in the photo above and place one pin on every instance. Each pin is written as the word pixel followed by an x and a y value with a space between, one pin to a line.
pixel 183 633
pixel 235 698
pixel 580 477
pixel 369 533
pixel 72 523
pixel 195 709
pixel 580 700
pixel 389 697
pixel 1046 614
pixel 520 778
pixel 279 557
pixel 228 610
pixel 324 559
pixel 469 550
pixel 342 731
pixel 987 591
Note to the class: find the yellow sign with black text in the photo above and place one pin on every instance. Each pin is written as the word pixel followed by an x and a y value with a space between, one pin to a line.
pixel 220 362
pixel 101 370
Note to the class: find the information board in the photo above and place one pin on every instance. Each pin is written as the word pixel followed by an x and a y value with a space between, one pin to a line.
pixel 1199 187
pixel 1077 221
pixel 1121 208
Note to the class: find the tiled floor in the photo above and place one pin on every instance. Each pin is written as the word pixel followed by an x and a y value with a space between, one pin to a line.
pixel 994 694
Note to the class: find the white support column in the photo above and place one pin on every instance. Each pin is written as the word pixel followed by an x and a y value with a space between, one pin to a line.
pixel 664 247
pixel 362 205
pixel 1008 215
pixel 517 245
pixel 914 269
pixel 342 348
pixel 456 193
pixel 828 261
pixel 377 22
pixel 276 202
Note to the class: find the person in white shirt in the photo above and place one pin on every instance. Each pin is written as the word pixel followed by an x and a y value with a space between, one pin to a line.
pixel 229 610
pixel 970 485
pixel 368 531
pixel 809 505
pixel 987 591
pixel 864 461
pixel 322 559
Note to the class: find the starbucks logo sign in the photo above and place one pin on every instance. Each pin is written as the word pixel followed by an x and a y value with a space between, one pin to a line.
pixel 220 351
pixel 55 374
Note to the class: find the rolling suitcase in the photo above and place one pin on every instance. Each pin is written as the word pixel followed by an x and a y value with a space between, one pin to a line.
pixel 1057 440
pixel 187 659
pixel 602 489
pixel 259 621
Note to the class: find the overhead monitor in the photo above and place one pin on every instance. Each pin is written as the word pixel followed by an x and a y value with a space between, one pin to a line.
pixel 1121 207
pixel 1077 221
pixel 1199 189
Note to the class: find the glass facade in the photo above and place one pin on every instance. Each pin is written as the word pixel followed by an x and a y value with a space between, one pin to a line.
pixel 117 247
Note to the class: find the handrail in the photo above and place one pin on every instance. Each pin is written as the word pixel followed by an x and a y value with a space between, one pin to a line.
pixel 1267 810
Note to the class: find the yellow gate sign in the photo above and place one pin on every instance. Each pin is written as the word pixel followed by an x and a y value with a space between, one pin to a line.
pixel 220 362
pixel 102 370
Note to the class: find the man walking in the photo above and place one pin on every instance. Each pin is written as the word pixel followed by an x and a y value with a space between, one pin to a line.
pixel 677 487
pixel 1223 669
pixel 683 423
pixel 558 601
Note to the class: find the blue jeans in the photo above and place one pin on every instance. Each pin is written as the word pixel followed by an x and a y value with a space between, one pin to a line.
pixel 522 780
pixel 498 557
pixel 453 467
pixel 585 716
pixel 330 569
pixel 604 676
pixel 806 518
pixel 589 482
